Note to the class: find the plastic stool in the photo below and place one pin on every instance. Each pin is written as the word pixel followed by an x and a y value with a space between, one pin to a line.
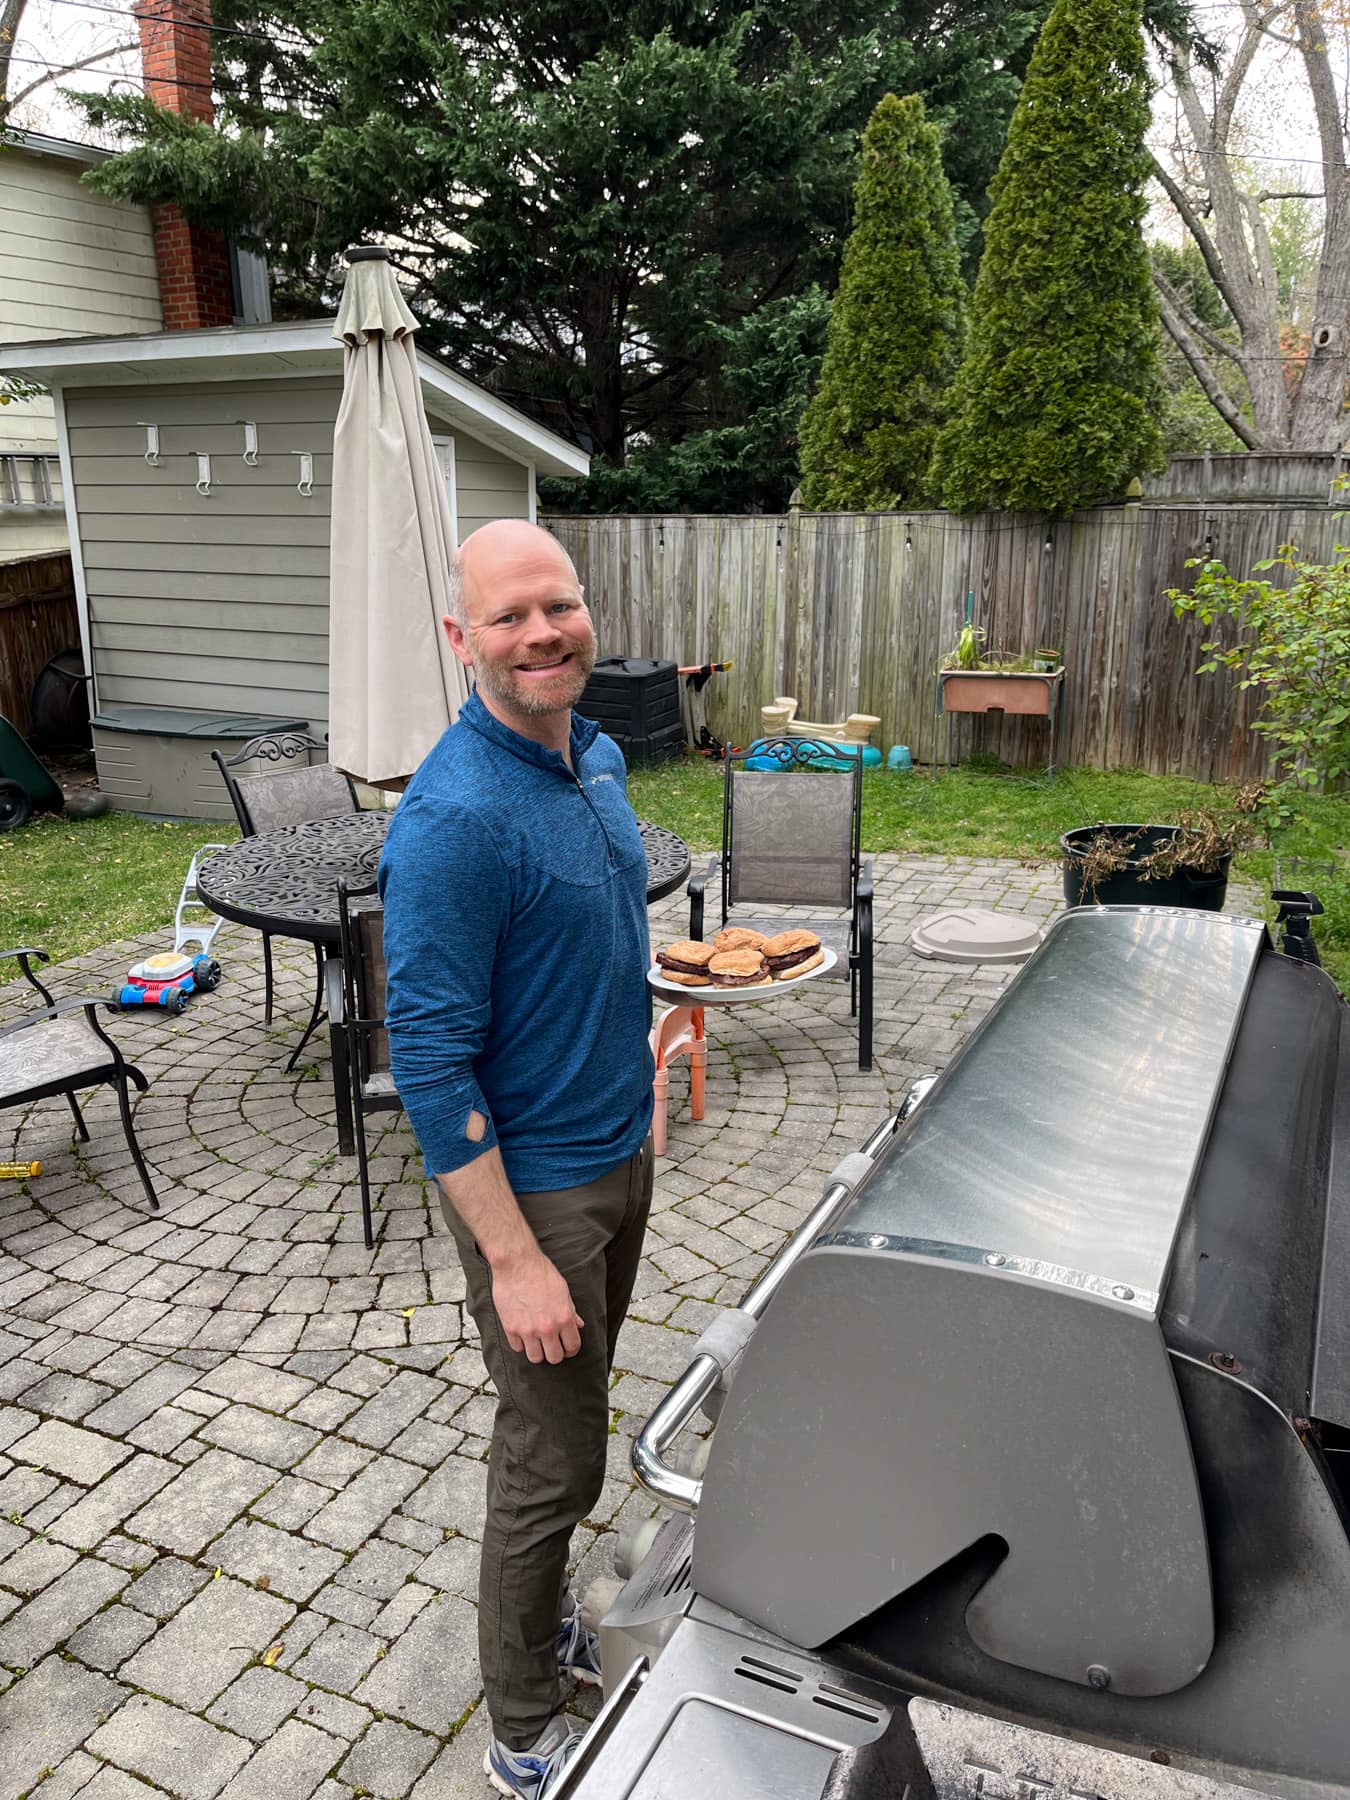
pixel 678 1032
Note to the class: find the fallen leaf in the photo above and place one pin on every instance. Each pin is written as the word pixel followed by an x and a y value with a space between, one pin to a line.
pixel 408 1311
pixel 272 1655
pixel 263 1581
pixel 216 1576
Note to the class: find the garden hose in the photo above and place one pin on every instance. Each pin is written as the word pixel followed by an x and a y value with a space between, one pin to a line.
pixel 19 1171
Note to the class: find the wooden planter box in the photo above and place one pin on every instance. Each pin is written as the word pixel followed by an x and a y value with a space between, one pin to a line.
pixel 989 690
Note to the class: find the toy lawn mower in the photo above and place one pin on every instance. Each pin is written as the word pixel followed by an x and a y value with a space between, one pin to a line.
pixel 171 978
pixel 168 980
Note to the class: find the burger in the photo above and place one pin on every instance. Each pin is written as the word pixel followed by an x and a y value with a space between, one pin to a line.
pixel 685 962
pixel 792 953
pixel 738 937
pixel 738 968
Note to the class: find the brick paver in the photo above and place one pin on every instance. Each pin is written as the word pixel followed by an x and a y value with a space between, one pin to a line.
pixel 241 1478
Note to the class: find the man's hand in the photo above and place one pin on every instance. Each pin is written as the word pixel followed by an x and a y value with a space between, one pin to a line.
pixel 535 1307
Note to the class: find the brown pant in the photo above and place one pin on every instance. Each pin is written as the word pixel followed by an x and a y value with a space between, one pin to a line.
pixel 550 1435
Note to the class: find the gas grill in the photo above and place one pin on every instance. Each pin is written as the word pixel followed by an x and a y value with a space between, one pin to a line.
pixel 1029 1471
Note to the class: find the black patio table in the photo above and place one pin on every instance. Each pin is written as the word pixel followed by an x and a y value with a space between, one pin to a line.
pixel 285 882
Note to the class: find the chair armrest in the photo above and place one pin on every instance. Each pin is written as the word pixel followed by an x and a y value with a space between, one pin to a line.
pixel 698 883
pixel 865 880
pixel 21 955
pixel 72 1003
pixel 335 998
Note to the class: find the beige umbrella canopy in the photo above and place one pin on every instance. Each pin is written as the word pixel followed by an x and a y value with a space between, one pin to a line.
pixel 393 684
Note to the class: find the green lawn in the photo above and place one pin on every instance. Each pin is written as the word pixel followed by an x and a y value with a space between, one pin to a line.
pixel 71 885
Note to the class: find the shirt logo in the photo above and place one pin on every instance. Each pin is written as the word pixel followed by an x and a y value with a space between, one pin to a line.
pixel 595 780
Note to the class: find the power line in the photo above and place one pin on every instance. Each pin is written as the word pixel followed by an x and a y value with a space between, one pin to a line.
pixel 119 12
pixel 56 68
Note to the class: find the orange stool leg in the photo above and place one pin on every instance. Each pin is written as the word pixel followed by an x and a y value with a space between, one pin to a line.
pixel 698 1065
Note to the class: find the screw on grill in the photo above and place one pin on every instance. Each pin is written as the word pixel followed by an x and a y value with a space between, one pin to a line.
pixel 1225 1360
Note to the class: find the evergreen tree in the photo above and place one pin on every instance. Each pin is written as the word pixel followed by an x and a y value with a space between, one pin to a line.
pixel 1058 399
pixel 588 206
pixel 895 329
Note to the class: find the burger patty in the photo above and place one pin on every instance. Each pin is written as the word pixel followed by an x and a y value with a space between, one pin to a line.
pixel 778 964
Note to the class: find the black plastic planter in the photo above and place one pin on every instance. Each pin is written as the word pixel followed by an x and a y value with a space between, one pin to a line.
pixel 1131 886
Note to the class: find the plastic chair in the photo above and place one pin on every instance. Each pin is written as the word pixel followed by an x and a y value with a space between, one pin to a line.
pixel 678 1032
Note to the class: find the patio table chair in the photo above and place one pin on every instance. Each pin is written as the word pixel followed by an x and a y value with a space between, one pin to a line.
pixel 356 1003
pixel 792 836
pixel 60 1049
pixel 286 796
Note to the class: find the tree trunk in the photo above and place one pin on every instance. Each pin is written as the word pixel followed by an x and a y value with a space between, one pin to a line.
pixel 1229 230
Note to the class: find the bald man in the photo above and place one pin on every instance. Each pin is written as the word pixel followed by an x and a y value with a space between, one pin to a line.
pixel 514 888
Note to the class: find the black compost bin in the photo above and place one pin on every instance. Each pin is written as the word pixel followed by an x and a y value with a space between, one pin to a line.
pixel 1131 886
pixel 636 701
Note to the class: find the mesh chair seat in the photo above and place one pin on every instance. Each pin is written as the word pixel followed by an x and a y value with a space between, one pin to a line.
pixel 48 1051
pixel 293 796
pixel 792 838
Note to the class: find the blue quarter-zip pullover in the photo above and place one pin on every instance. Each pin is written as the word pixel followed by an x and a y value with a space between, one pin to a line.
pixel 516 939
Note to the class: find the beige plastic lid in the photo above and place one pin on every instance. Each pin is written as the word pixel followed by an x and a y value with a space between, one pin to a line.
pixel 974 934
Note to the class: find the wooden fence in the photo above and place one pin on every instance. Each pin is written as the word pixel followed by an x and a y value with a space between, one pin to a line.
pixel 852 612
pixel 1287 477
pixel 37 619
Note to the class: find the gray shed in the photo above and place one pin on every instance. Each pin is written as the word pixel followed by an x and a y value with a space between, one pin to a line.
pixel 197 469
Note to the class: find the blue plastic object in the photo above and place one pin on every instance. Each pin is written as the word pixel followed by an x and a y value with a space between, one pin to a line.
pixel 900 759
pixel 842 756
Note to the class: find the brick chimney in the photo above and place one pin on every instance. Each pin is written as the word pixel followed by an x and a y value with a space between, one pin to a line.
pixel 194 261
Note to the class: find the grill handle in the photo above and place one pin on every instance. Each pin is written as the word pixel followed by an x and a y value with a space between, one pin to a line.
pixel 669 1485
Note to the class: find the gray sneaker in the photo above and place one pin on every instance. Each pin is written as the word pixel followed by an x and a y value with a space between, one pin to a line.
pixel 537 1773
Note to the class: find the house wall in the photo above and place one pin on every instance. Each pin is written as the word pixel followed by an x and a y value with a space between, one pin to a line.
pixel 221 602
pixel 74 264
pixel 488 484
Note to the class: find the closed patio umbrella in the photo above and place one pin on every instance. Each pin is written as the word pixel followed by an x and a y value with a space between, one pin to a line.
pixel 393 683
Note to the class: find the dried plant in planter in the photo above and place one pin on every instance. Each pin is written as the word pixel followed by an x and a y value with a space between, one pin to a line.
pixel 1205 839
pixel 1105 853
pixel 1202 842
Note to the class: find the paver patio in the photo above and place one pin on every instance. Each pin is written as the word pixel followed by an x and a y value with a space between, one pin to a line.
pixel 240 1481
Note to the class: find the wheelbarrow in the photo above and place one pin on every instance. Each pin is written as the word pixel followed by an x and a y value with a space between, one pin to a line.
pixel 25 786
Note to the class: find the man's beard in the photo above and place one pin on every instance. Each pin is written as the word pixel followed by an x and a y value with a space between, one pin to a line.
pixel 501 683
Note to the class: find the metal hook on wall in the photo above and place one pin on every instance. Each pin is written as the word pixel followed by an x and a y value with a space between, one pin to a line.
pixel 203 475
pixel 305 486
pixel 250 443
pixel 151 443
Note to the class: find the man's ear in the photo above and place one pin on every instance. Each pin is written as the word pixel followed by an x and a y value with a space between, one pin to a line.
pixel 459 641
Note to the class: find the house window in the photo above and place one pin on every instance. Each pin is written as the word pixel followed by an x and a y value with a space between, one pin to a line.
pixel 445 456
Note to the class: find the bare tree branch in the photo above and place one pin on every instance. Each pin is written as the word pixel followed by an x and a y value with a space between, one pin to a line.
pixel 66 69
pixel 1214 392
pixel 1195 325
pixel 1218 274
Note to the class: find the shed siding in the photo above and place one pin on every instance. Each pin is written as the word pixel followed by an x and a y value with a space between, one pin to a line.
pixel 216 601
pixel 488 485
pixel 221 602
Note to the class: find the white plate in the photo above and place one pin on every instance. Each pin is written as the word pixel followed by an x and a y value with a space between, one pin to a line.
pixel 679 995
